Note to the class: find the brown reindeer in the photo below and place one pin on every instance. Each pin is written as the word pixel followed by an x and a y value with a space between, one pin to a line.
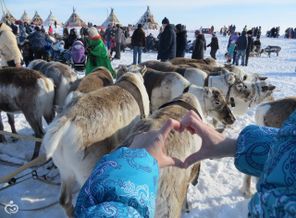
pixel 29 92
pixel 92 126
pixel 173 182
pixel 99 78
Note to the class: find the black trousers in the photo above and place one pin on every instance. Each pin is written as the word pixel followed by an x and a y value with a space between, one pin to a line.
pixel 213 53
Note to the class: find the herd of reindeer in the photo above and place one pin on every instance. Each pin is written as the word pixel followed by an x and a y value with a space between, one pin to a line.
pixel 90 117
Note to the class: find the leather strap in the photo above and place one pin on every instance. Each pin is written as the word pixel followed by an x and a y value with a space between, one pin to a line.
pixel 182 104
pixel 135 92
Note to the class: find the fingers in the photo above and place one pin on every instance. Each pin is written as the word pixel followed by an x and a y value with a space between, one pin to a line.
pixel 168 127
pixel 192 113
pixel 193 158
pixel 170 161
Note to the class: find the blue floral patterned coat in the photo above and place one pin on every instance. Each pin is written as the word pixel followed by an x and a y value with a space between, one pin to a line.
pixel 270 154
pixel 122 184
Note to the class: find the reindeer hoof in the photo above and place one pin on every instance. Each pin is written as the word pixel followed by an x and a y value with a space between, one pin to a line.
pixel 35 155
pixel 2 139
pixel 246 193
pixel 14 140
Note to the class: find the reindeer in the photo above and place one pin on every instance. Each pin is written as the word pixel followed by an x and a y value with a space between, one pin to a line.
pixel 163 87
pixel 29 92
pixel 173 182
pixel 271 114
pixel 91 127
pixel 62 75
pixel 99 78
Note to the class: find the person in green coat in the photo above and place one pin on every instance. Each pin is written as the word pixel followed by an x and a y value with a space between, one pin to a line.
pixel 97 53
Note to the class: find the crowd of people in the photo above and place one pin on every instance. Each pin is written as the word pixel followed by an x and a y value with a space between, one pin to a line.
pixel 274 32
pixel 240 45
pixel 35 42
pixel 290 33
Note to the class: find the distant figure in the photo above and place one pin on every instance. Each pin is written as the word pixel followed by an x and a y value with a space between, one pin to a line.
pixel 214 46
pixel 8 47
pixel 150 42
pixel 167 42
pixel 181 40
pixel 38 44
pixel 249 46
pixel 71 39
pixel 198 50
pixel 50 30
pixel 241 46
pixel 232 46
pixel 97 52
pixel 257 45
pixel 119 41
pixel 138 43
pixel 55 24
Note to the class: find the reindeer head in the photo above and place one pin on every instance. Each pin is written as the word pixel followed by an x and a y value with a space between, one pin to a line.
pixel 262 91
pixel 122 69
pixel 217 106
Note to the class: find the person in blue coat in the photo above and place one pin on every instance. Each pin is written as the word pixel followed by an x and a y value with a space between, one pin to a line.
pixel 124 182
pixel 265 152
pixel 167 42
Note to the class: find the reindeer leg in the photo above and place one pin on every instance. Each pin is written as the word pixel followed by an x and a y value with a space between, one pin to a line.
pixel 66 196
pixel 185 207
pixel 12 126
pixel 49 117
pixel 246 188
pixel 2 137
pixel 35 122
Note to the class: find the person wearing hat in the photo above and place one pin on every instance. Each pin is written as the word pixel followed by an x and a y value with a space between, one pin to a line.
pixel 167 42
pixel 97 53
pixel 214 44
pixel 138 43
pixel 9 50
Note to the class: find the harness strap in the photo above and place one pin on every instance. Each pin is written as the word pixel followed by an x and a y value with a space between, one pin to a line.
pixel 135 92
pixel 228 101
pixel 182 104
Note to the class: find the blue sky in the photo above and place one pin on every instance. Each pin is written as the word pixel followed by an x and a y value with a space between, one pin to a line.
pixel 192 13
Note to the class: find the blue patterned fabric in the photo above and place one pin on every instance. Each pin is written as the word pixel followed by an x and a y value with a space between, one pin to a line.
pixel 270 154
pixel 122 184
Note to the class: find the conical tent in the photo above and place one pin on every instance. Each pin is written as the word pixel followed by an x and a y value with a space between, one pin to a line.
pixel 111 19
pixel 25 18
pixel 8 18
pixel 37 20
pixel 50 20
pixel 74 20
pixel 147 20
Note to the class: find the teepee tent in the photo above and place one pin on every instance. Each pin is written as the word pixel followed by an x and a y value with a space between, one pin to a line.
pixel 147 20
pixel 25 18
pixel 50 20
pixel 37 20
pixel 74 20
pixel 111 19
pixel 7 16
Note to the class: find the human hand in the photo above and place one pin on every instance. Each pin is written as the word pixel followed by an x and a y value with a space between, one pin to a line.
pixel 214 144
pixel 154 142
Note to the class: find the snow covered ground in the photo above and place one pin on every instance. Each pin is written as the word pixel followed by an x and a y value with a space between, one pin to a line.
pixel 217 194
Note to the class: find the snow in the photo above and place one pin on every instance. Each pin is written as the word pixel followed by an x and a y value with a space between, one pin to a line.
pixel 217 194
